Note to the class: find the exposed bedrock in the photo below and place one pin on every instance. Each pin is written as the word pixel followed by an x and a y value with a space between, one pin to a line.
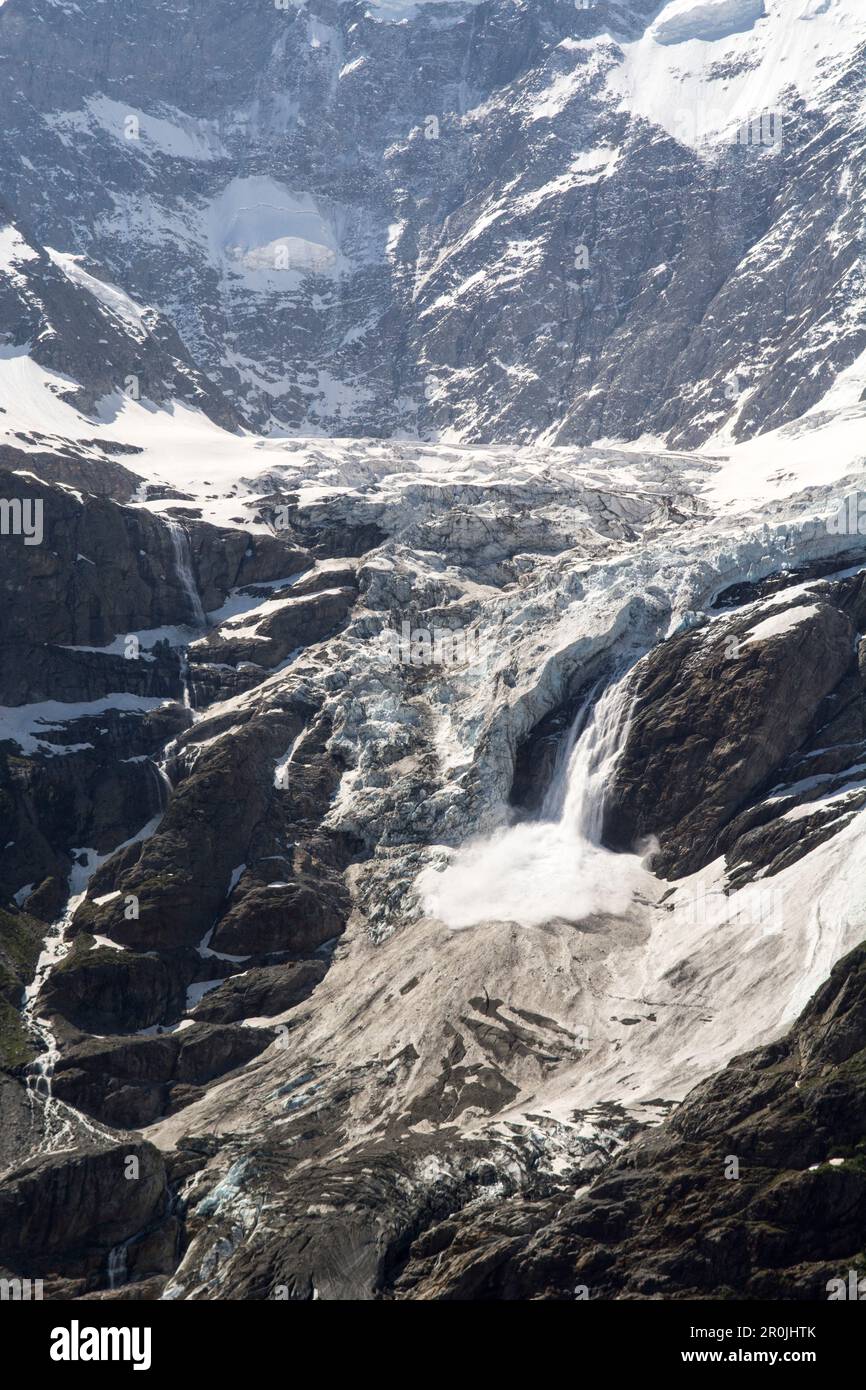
pixel 103 990
pixel 130 1082
pixel 95 784
pixel 99 474
pixel 20 945
pixel 71 332
pixel 236 876
pixel 102 569
pixel 297 915
pixel 299 622
pixel 182 873
pixel 261 992
pixel 716 712
pixel 61 1214
pixel 37 672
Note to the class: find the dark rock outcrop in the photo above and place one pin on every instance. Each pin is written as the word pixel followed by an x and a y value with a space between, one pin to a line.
pixel 298 623
pixel 94 784
pixel 102 570
pixel 181 875
pixel 102 990
pixel 261 992
pixel 297 915
pixel 20 945
pixel 130 1082
pixel 61 1214
pixel 715 713
pixel 70 330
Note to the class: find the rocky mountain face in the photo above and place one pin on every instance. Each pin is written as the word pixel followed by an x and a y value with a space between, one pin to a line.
pixel 494 221
pixel 433 856
pixel 97 344
pixel 256 987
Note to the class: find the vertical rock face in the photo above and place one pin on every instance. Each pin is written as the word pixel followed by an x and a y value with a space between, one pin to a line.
pixel 64 1214
pixel 714 716
pixel 96 341
pixel 501 221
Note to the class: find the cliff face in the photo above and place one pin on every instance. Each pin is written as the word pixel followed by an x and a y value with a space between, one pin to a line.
pixel 501 221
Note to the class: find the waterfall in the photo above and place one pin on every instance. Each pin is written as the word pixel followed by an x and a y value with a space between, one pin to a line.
pixel 40 1072
pixel 164 786
pixel 183 569
pixel 593 759
pixel 553 805
pixel 117 1264
pixel 59 1119
pixel 554 867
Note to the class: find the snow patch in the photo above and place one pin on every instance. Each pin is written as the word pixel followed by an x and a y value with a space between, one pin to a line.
pixel 780 623
pixel 259 230
pixel 706 20
pixel 29 726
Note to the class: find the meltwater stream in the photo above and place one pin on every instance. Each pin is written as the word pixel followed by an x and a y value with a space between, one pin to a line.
pixel 554 867
pixel 61 1123
pixel 183 569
